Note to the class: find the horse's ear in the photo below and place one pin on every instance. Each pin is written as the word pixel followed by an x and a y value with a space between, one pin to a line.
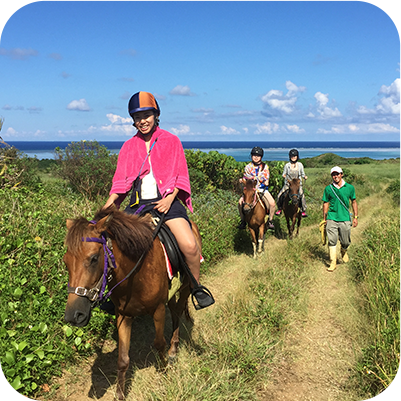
pixel 69 223
pixel 102 224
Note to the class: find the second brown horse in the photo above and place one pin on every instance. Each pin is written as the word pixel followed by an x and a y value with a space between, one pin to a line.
pixel 255 213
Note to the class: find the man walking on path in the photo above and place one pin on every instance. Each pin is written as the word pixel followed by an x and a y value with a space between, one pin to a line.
pixel 336 215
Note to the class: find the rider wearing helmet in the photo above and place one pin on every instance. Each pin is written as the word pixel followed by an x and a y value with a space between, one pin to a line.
pixel 293 169
pixel 259 171
pixel 142 172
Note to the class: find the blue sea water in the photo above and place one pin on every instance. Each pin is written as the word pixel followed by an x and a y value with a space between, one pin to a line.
pixel 241 150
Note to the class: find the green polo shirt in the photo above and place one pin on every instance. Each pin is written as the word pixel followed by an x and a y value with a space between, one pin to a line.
pixel 337 211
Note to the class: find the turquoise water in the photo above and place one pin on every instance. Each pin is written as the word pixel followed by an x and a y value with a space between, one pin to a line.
pixel 241 150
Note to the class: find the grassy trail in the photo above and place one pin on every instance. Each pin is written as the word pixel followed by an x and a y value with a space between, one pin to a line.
pixel 320 352
pixel 313 359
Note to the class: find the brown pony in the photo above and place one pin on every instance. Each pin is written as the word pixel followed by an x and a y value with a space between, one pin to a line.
pixel 292 207
pixel 138 278
pixel 255 216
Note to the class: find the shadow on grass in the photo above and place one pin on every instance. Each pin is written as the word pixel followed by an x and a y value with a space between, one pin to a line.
pixel 142 353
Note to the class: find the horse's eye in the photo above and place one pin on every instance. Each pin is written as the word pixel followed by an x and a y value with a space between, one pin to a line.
pixel 94 259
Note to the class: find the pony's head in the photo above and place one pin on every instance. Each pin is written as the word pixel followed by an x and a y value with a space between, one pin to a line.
pixel 249 195
pixel 293 192
pixel 84 261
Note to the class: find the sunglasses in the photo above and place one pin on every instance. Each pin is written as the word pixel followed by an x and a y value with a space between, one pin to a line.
pixel 335 173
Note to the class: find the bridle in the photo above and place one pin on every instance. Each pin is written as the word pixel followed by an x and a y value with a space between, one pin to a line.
pixel 96 294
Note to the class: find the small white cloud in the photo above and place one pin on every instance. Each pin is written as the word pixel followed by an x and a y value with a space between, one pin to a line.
pixel 79 105
pixel 118 125
pixel 181 90
pixel 294 128
pixel 181 130
pixel 18 54
pixel 267 128
pixel 325 112
pixel 285 103
pixel 228 131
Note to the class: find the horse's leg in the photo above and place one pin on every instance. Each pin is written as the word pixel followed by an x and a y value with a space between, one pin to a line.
pixel 159 319
pixel 289 227
pixel 299 222
pixel 254 241
pixel 176 309
pixel 124 324
pixel 261 237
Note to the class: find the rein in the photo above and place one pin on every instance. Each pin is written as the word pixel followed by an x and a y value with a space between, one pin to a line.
pixel 96 294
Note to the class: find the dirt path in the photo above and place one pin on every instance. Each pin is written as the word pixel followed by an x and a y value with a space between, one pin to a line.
pixel 317 353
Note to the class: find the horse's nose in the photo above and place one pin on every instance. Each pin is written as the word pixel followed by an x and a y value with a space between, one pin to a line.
pixel 80 318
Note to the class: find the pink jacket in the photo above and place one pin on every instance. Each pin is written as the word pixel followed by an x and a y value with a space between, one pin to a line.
pixel 168 163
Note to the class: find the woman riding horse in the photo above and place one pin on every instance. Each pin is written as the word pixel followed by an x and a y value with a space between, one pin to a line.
pixel 293 169
pixel 258 171
pixel 152 165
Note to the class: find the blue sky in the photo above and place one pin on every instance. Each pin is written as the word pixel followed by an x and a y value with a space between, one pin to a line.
pixel 235 71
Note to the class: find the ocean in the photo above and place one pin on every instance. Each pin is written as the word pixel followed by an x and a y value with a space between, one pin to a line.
pixel 241 150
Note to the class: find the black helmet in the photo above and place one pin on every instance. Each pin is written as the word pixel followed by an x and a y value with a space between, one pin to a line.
pixel 293 152
pixel 257 151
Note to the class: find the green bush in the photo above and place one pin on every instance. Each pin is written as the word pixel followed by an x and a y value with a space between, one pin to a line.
pixel 16 169
pixel 209 171
pixel 35 343
pixel 88 167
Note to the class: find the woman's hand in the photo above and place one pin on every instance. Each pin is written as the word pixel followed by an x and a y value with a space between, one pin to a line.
pixel 163 205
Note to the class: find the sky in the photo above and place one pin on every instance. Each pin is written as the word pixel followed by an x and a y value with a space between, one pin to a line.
pixel 227 71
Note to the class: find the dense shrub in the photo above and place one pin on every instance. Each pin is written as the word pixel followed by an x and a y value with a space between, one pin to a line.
pixel 212 170
pixel 88 167
pixel 35 343
pixel 16 169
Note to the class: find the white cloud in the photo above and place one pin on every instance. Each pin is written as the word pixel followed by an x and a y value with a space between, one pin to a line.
pixel 118 125
pixel 390 104
pixel 80 105
pixel 294 128
pixel 181 130
pixel 18 54
pixel 181 90
pixel 321 103
pixel 228 131
pixel 373 128
pixel 267 128
pixel 285 103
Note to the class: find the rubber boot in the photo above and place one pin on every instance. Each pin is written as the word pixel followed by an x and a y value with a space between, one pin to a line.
pixel 344 255
pixel 333 258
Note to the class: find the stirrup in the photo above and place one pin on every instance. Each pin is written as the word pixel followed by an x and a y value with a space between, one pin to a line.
pixel 203 296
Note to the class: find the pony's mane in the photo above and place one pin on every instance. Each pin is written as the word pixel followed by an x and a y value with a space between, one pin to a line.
pixel 133 234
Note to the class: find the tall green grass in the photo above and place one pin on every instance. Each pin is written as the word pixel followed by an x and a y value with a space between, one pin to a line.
pixel 376 268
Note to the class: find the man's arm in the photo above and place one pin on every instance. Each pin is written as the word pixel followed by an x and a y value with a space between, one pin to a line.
pixel 325 210
pixel 355 209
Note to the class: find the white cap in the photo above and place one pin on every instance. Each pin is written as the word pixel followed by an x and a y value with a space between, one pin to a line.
pixel 336 169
